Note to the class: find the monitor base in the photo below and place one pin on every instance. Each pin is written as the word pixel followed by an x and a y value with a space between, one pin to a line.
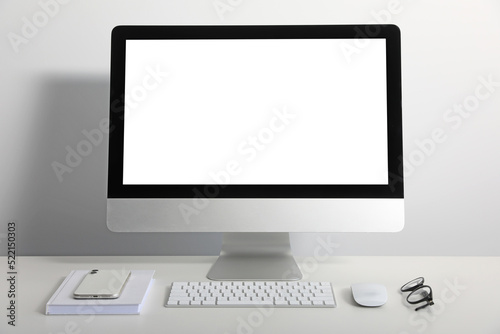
pixel 255 257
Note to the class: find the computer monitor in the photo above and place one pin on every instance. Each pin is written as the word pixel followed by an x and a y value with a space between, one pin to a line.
pixel 256 132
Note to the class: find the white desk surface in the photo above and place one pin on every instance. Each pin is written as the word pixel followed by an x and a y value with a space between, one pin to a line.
pixel 466 294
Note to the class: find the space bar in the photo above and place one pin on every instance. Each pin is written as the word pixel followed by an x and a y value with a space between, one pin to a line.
pixel 244 303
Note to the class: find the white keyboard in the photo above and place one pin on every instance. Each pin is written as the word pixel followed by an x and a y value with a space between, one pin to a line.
pixel 251 294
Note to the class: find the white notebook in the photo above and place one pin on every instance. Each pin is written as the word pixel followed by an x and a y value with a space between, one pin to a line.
pixel 130 301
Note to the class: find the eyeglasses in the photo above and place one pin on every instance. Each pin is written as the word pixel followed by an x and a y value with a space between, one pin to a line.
pixel 420 293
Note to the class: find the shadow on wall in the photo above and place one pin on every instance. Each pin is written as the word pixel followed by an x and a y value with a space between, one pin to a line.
pixel 65 191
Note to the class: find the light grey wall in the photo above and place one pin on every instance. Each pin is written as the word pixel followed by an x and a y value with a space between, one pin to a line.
pixel 54 63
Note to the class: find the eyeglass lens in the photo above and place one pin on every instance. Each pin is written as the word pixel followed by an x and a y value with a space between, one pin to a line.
pixel 413 284
pixel 421 294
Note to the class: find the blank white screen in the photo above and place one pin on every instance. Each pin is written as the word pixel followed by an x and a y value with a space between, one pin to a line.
pixel 254 112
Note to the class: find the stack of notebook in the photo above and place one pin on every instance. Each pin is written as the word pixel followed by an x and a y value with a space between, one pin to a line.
pixel 129 302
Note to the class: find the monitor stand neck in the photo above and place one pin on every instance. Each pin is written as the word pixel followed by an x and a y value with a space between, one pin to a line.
pixel 257 257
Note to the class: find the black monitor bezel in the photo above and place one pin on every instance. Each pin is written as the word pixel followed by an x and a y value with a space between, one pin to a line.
pixel 120 34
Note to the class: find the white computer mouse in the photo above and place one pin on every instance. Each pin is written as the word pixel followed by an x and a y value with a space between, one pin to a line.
pixel 369 294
